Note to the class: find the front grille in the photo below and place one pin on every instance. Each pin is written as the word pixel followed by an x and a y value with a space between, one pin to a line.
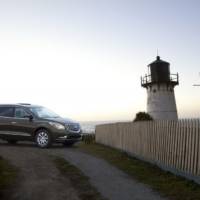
pixel 73 127
pixel 74 136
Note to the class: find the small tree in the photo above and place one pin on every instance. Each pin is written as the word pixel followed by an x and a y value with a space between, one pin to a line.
pixel 142 116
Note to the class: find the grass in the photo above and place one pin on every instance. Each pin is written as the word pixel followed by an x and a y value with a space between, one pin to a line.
pixel 168 184
pixel 7 176
pixel 78 180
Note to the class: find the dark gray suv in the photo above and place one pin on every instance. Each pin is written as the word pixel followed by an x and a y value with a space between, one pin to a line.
pixel 26 122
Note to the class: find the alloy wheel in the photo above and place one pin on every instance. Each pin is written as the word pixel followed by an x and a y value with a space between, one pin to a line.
pixel 42 139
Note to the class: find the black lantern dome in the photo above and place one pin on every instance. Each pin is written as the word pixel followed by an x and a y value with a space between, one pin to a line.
pixel 159 72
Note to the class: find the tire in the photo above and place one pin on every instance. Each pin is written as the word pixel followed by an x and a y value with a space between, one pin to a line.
pixel 12 141
pixel 68 143
pixel 43 138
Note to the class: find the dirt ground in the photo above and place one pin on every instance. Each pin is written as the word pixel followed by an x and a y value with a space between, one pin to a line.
pixel 40 179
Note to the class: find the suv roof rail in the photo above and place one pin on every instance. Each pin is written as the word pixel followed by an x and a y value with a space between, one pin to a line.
pixel 26 104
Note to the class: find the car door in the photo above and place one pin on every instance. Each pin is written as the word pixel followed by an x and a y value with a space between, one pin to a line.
pixel 22 126
pixel 6 118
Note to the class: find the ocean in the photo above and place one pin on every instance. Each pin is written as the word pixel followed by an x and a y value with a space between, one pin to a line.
pixel 89 127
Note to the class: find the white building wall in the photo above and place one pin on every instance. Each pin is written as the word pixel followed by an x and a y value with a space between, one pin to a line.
pixel 161 103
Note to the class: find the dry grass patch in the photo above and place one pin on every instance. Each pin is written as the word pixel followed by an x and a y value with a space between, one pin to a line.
pixel 8 175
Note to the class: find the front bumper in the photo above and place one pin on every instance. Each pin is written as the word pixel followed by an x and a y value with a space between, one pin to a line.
pixel 71 133
pixel 69 137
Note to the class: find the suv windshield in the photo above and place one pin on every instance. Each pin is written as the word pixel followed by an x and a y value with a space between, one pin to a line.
pixel 43 112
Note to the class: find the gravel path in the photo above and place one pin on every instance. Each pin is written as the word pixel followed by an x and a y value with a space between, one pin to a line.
pixel 41 180
pixel 111 182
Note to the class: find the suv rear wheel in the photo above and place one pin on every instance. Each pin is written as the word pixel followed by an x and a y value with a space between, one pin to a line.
pixel 43 138
pixel 12 141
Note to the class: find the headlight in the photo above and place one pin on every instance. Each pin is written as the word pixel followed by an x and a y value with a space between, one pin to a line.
pixel 57 125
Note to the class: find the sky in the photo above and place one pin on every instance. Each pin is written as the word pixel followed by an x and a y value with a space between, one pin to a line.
pixel 84 58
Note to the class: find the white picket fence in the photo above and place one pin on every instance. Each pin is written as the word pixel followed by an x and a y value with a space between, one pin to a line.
pixel 172 145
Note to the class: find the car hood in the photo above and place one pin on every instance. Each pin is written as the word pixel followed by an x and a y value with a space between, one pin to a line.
pixel 62 120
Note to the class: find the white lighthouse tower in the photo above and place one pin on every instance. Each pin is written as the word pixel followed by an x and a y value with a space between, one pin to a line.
pixel 161 103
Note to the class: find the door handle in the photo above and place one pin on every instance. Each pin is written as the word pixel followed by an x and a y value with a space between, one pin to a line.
pixel 13 122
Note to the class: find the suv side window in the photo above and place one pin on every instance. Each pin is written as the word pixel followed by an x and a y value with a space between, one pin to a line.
pixel 6 111
pixel 20 113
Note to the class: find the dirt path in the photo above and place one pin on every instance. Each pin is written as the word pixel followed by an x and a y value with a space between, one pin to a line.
pixel 41 180
pixel 38 178
pixel 111 182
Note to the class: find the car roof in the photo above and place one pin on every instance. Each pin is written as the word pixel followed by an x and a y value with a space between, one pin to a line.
pixel 20 105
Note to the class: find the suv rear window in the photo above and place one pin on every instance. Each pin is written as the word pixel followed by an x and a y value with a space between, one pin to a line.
pixel 20 113
pixel 7 111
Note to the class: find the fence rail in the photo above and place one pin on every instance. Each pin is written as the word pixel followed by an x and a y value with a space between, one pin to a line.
pixel 172 145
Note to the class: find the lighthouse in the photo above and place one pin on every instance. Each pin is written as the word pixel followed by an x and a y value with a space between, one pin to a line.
pixel 160 83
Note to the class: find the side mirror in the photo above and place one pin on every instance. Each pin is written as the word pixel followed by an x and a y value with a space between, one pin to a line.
pixel 30 117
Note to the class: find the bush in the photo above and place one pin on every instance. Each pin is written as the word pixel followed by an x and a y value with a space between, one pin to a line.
pixel 142 116
pixel 88 138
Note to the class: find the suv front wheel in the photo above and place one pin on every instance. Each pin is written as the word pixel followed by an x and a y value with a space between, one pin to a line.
pixel 43 138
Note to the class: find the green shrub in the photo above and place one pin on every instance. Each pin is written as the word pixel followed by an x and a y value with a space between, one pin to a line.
pixel 142 116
